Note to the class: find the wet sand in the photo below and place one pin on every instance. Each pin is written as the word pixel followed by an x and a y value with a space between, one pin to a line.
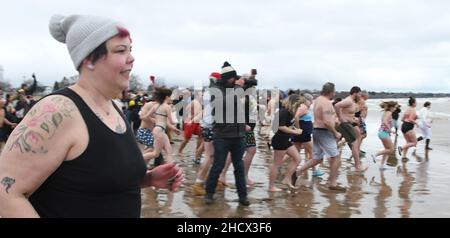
pixel 417 188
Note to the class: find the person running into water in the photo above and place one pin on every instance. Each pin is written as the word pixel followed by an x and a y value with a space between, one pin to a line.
pixel 144 134
pixel 360 125
pixel 425 124
pixel 303 119
pixel 250 120
pixel 206 123
pixel 273 106
pixel 282 145
pixel 325 137
pixel 74 154
pixel 395 117
pixel 384 133
pixel 409 120
pixel 191 126
pixel 345 111
pixel 162 113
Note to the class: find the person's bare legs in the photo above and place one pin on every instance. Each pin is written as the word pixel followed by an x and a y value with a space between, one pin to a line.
pixel 292 166
pixel 158 144
pixel 183 144
pixel 309 164
pixel 358 138
pixel 199 147
pixel 308 146
pixel 388 150
pixel 249 154
pixel 355 154
pixel 167 148
pixel 334 168
pixel 278 156
pixel 411 140
pixel 209 157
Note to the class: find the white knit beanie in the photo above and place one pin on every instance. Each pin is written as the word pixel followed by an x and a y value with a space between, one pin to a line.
pixel 82 34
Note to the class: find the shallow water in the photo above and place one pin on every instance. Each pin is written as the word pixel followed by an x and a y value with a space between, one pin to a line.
pixel 417 188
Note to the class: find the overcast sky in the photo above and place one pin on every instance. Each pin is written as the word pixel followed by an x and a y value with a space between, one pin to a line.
pixel 378 45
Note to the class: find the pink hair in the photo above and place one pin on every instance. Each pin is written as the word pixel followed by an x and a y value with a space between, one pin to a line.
pixel 123 32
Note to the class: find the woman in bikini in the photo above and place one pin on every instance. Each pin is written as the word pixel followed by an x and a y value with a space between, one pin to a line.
pixel 162 113
pixel 409 120
pixel 384 133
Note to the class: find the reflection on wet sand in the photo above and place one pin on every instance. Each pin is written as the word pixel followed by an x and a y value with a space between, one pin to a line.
pixel 369 195
pixel 384 193
pixel 404 190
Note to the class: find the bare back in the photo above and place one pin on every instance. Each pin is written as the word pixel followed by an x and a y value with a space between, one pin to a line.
pixel 194 111
pixel 161 112
pixel 147 118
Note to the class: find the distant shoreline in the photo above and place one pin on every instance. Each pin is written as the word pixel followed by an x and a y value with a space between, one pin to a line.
pixel 379 95
pixel 383 95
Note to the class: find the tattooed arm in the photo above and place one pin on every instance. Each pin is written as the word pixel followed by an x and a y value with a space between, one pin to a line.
pixel 329 119
pixel 35 149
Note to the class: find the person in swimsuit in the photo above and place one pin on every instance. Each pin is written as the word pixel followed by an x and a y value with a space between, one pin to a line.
pixel 144 134
pixel 409 120
pixel 191 125
pixel 303 119
pixel 198 188
pixel 360 123
pixel 384 133
pixel 163 119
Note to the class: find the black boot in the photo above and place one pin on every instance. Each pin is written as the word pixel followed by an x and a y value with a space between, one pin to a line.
pixel 427 145
pixel 294 178
pixel 419 139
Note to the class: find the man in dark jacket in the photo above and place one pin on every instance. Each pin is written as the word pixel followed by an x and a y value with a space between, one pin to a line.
pixel 229 132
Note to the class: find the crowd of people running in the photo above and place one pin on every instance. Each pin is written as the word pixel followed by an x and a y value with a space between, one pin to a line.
pixel 319 125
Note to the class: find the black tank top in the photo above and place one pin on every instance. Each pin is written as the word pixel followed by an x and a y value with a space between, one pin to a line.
pixel 104 181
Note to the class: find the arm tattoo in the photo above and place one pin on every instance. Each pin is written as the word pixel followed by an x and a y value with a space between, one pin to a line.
pixel 119 128
pixel 8 182
pixel 42 125
pixel 329 112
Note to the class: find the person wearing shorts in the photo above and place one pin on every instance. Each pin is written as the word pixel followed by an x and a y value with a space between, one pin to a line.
pixel 145 137
pixel 345 111
pixel 191 125
pixel 325 137
pixel 283 146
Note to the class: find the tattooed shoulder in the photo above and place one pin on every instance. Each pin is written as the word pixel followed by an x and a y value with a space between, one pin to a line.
pixel 7 182
pixel 329 112
pixel 40 124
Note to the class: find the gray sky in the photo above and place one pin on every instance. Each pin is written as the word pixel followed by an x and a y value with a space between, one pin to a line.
pixel 378 45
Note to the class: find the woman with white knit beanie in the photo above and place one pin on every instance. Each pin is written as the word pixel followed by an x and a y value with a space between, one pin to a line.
pixel 74 154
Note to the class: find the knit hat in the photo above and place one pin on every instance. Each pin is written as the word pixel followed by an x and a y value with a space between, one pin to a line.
pixel 82 33
pixel 214 77
pixel 228 71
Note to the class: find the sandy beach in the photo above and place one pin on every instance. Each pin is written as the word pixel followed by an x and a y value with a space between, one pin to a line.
pixel 417 188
